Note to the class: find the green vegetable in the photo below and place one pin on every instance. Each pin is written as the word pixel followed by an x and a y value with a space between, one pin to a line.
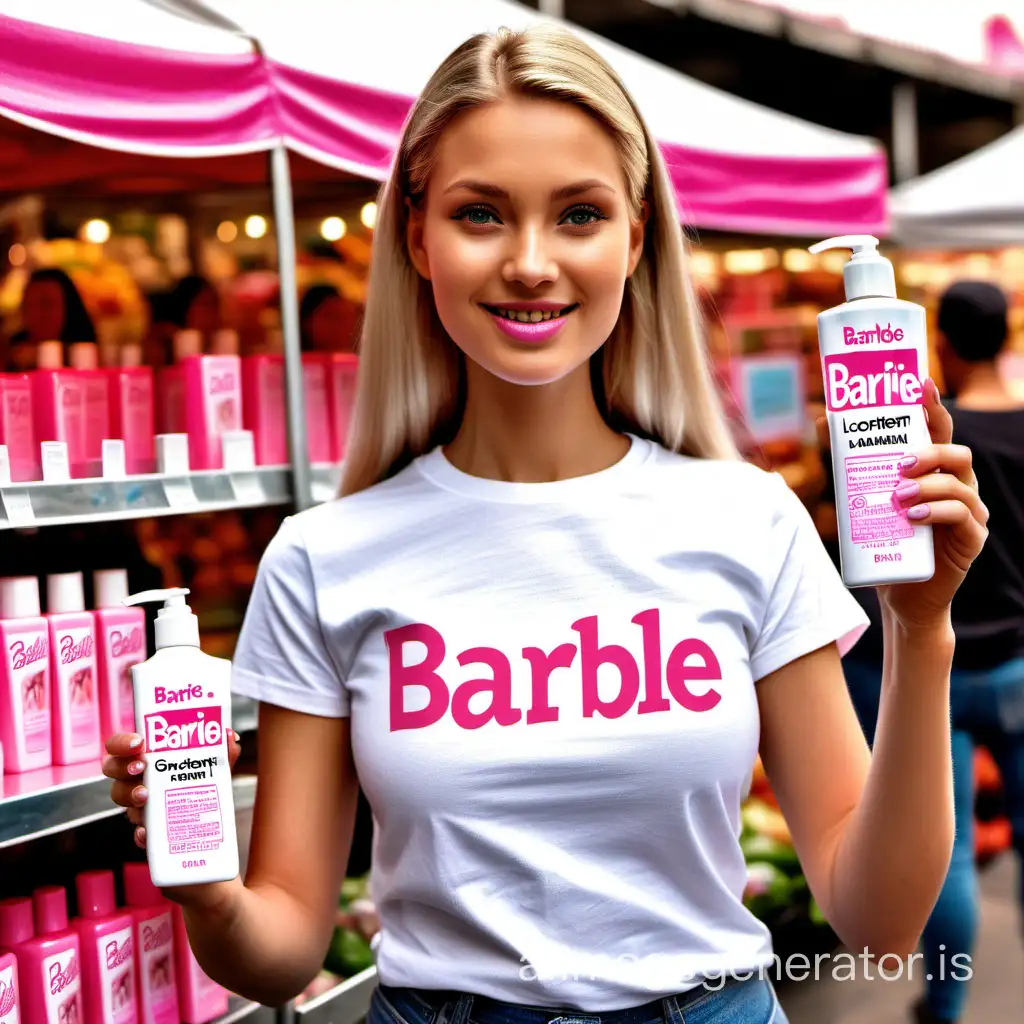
pixel 349 953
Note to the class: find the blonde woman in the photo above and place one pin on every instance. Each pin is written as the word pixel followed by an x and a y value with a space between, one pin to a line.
pixel 553 618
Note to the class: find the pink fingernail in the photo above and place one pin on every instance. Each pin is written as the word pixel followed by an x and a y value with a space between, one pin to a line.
pixel 140 838
pixel 908 462
pixel 140 794
pixel 135 741
pixel 918 512
pixel 906 490
pixel 136 768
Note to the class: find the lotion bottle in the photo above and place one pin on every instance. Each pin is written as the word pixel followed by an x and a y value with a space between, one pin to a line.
pixel 9 1013
pixel 120 644
pixel 49 967
pixel 153 937
pixel 183 709
pixel 874 351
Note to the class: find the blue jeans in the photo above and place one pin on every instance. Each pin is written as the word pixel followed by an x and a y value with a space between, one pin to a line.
pixel 986 708
pixel 745 1002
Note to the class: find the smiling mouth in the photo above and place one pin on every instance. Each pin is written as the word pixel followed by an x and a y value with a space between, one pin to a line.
pixel 529 316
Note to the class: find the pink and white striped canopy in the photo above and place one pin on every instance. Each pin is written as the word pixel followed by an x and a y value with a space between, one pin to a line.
pixel 334 79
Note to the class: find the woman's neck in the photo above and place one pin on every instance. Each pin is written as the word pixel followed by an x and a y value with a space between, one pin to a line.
pixel 984 388
pixel 533 434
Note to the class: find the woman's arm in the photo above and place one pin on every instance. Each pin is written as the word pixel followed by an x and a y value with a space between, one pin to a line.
pixel 266 939
pixel 874 833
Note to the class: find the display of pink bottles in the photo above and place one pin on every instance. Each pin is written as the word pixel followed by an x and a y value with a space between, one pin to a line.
pixel 85 360
pixel 200 999
pixel 171 383
pixel 76 708
pixel 120 643
pixel 58 405
pixel 342 368
pixel 132 410
pixel 25 688
pixel 49 966
pixel 153 934
pixel 9 1000
pixel 17 431
pixel 106 944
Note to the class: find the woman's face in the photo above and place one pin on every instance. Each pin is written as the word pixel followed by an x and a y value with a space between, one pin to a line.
pixel 526 214
pixel 42 311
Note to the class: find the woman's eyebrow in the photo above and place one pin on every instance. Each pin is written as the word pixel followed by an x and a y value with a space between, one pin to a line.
pixel 493 191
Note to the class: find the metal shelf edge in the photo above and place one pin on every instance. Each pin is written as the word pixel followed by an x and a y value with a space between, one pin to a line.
pixel 346 1003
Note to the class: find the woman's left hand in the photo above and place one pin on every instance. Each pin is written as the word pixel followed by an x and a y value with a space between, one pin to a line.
pixel 938 488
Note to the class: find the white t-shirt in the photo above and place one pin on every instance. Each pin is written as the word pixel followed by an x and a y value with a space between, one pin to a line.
pixel 554 716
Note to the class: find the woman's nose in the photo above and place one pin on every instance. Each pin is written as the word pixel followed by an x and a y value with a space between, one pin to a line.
pixel 530 262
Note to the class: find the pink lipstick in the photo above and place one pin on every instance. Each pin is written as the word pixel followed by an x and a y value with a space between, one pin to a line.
pixel 531 331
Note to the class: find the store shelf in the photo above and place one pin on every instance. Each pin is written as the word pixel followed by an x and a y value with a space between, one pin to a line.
pixel 49 800
pixel 346 1003
pixel 252 1013
pixel 41 503
pixel 325 480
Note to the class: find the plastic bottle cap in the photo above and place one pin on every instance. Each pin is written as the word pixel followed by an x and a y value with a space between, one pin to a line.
pixel 176 625
pixel 85 355
pixel 50 904
pixel 65 592
pixel 19 598
pixel 187 343
pixel 110 354
pixel 17 923
pixel 275 341
pixel 50 355
pixel 131 355
pixel 139 890
pixel 867 274
pixel 95 890
pixel 225 342
pixel 110 587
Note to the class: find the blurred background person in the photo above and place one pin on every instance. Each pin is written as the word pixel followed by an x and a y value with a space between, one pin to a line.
pixel 194 304
pixel 51 310
pixel 987 682
pixel 327 319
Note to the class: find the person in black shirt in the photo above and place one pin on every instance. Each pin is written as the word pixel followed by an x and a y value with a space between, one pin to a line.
pixel 987 682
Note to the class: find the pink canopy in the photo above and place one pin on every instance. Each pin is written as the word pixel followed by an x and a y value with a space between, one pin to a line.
pixel 334 81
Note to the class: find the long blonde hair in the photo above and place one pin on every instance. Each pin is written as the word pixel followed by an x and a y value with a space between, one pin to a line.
pixel 652 378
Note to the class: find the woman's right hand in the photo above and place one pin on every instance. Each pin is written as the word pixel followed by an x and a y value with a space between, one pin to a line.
pixel 125 764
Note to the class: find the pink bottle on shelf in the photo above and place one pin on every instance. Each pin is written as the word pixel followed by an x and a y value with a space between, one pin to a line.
pixel 9 1012
pixel 342 369
pixel 49 965
pixel 26 696
pixel 153 933
pixel 107 948
pixel 200 999
pixel 17 431
pixel 76 705
pixel 85 360
pixel 16 927
pixel 59 405
pixel 170 408
pixel 132 410
pixel 120 643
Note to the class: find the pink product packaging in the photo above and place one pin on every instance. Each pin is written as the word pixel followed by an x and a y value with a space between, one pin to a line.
pixel 16 428
pixel 342 368
pixel 47 951
pixel 9 1012
pixel 133 417
pixel 170 404
pixel 200 1000
pixel 153 924
pixel 25 688
pixel 76 710
pixel 105 938
pixel 213 405
pixel 96 390
pixel 264 404
pixel 120 644
pixel 59 405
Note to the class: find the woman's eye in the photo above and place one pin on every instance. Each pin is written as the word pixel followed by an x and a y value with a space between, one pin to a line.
pixel 583 216
pixel 477 215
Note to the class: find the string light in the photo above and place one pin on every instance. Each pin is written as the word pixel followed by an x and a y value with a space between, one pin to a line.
pixel 227 231
pixel 96 230
pixel 368 215
pixel 255 226
pixel 333 229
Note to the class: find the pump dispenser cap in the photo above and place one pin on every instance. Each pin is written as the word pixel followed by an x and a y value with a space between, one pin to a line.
pixel 50 355
pixel 95 890
pixel 17 924
pixel 187 343
pixel 65 592
pixel 110 587
pixel 867 274
pixel 225 342
pixel 50 904
pixel 139 890
pixel 85 355
pixel 175 626
pixel 131 355
pixel 19 598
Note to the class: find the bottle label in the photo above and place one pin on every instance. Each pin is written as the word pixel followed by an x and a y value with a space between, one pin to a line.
pixel 156 969
pixel 117 977
pixel 8 997
pixel 222 397
pixel 76 675
pixel 62 977
pixel 865 380
pixel 28 661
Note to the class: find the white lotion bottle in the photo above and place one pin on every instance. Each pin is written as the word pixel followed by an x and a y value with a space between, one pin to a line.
pixel 183 711
pixel 874 353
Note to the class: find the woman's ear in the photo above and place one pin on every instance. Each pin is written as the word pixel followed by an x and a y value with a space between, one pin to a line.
pixel 414 227
pixel 637 231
